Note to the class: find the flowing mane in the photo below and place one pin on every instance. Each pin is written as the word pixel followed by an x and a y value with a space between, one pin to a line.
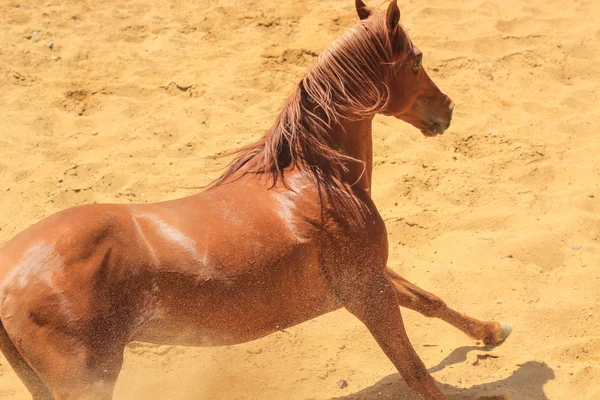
pixel 347 80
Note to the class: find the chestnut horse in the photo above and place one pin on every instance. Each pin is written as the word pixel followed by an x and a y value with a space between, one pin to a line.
pixel 289 232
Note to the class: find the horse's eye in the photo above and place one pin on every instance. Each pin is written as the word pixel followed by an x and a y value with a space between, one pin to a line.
pixel 418 62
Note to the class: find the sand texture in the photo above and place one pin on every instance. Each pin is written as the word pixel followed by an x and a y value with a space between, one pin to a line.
pixel 500 216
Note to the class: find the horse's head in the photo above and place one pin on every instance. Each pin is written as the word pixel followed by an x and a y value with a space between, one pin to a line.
pixel 413 96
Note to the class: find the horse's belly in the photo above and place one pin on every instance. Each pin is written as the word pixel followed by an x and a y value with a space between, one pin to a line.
pixel 225 313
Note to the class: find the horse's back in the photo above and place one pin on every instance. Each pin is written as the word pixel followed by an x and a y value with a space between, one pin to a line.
pixel 71 234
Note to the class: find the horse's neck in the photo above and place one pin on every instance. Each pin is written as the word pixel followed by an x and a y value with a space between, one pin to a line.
pixel 354 139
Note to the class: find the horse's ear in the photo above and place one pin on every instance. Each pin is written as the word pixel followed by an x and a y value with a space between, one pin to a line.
pixel 392 17
pixel 363 11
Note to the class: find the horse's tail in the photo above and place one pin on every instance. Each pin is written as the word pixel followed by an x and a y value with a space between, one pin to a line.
pixel 28 376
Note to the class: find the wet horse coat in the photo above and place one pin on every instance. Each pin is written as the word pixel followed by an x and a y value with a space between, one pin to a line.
pixel 288 233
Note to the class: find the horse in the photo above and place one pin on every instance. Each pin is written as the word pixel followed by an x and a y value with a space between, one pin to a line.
pixel 287 233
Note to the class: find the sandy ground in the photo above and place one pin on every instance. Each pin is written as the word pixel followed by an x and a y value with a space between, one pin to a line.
pixel 500 216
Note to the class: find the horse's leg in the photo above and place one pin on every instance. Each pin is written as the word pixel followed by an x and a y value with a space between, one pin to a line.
pixel 377 307
pixel 415 298
pixel 86 372
pixel 28 376
pixel 72 367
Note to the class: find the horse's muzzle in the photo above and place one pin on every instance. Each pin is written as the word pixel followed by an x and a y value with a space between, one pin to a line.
pixel 439 124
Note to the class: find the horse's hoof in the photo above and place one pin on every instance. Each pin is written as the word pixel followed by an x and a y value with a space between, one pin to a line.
pixel 506 331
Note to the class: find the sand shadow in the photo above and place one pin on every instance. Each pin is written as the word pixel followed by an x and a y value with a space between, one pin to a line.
pixel 458 356
pixel 527 382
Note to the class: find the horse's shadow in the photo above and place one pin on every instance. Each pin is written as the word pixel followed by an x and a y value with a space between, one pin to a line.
pixel 527 382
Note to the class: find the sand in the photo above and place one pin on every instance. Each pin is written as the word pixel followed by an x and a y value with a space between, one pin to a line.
pixel 500 216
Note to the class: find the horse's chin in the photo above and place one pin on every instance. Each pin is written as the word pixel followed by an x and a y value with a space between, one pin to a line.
pixel 431 133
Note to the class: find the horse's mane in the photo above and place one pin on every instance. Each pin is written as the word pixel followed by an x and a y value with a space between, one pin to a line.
pixel 348 80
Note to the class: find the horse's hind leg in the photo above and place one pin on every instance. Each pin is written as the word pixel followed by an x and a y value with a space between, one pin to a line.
pixel 415 298
pixel 84 372
pixel 72 366
pixel 28 376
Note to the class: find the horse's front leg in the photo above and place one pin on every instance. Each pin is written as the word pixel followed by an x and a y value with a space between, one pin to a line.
pixel 415 298
pixel 374 302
